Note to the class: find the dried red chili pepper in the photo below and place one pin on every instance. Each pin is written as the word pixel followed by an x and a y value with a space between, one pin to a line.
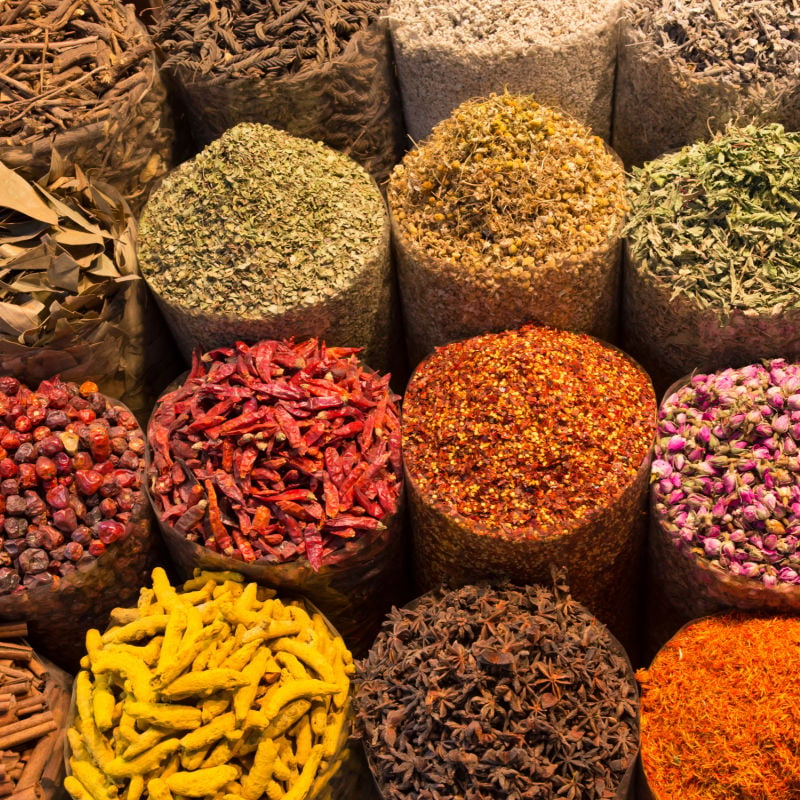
pixel 295 444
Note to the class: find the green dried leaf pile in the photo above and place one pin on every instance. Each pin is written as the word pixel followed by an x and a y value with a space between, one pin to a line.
pixel 719 221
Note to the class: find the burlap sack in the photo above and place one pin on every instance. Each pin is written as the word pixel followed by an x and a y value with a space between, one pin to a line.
pixel 350 102
pixel 660 105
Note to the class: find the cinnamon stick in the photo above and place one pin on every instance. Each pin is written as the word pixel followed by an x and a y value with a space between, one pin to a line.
pixel 37 760
pixel 13 630
pixel 29 732
pixel 31 793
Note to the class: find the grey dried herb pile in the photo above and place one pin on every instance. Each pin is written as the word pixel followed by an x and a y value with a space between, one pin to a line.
pixel 497 692
pixel 508 212
pixel 248 37
pixel 261 225
pixel 740 41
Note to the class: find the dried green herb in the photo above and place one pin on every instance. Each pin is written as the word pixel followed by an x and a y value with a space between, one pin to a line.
pixel 719 222
pixel 741 41
pixel 267 230
pixel 487 693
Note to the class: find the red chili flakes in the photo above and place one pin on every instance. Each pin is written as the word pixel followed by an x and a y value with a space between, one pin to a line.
pixel 529 429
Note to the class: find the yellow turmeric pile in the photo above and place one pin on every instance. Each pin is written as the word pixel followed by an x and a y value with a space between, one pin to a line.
pixel 219 691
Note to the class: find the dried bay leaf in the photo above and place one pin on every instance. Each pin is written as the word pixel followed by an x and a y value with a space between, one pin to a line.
pixel 19 195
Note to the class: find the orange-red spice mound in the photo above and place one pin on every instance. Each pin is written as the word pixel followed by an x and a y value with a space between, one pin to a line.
pixel 527 429
pixel 721 711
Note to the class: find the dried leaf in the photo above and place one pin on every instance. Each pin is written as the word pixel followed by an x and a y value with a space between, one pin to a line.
pixel 16 193
pixel 16 319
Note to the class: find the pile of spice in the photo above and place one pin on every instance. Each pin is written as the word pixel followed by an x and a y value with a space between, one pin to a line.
pixel 71 300
pixel 222 688
pixel 448 52
pixel 708 732
pixel 34 702
pixel 691 66
pixel 713 250
pixel 527 447
pixel 71 474
pixel 263 234
pixel 726 491
pixel 320 70
pixel 81 78
pixel 286 453
pixel 497 692
pixel 508 213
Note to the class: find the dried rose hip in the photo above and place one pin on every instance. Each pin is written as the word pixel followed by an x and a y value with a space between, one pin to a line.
pixel 71 467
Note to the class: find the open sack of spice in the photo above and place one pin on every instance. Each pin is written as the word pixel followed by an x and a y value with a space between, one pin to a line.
pixel 509 212
pixel 712 248
pixel 564 54
pixel 725 496
pixel 322 70
pixel 34 704
pixel 220 689
pixel 485 692
pixel 527 448
pixel 72 302
pixel 282 461
pixel 76 523
pixel 266 235
pixel 719 711
pixel 685 69
pixel 81 78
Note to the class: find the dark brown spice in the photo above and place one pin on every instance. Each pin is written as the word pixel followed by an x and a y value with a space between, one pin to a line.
pixel 508 692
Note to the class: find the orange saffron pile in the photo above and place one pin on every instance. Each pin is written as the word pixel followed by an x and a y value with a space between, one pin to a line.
pixel 720 711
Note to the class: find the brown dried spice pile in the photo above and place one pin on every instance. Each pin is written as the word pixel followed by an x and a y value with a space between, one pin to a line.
pixel 488 693
pixel 505 183
pixel 255 38
pixel 82 72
